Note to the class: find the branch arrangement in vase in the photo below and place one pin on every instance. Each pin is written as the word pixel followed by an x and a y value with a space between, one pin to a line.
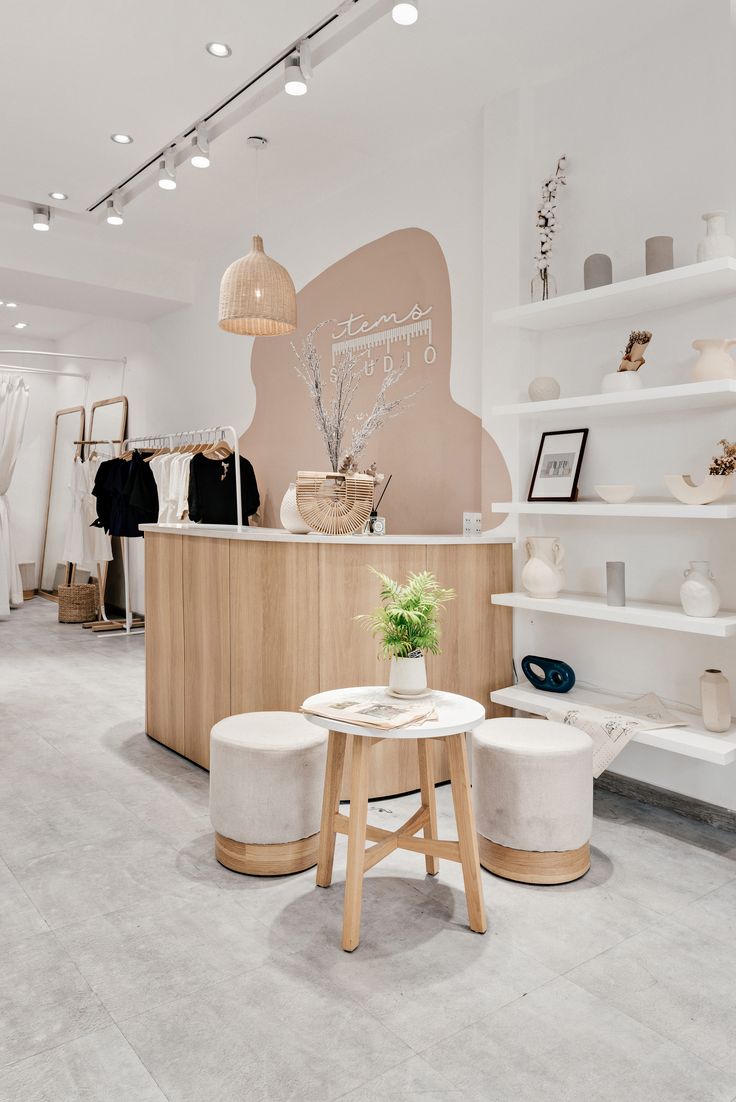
pixel 543 284
pixel 333 414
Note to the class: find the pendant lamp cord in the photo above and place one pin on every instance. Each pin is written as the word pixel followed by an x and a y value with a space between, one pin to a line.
pixel 259 212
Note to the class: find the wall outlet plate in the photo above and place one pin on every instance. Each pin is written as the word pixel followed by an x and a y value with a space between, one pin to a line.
pixel 472 524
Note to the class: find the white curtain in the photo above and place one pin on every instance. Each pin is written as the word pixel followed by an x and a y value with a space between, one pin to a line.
pixel 14 398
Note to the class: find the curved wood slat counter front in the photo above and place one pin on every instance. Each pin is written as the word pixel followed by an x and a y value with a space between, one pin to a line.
pixel 258 620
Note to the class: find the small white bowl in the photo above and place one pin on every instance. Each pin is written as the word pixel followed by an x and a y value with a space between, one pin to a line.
pixel 617 493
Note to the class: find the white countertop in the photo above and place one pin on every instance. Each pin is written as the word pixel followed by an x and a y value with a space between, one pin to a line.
pixel 280 535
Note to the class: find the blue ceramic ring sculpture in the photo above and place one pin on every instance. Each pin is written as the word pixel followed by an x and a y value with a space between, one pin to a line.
pixel 557 677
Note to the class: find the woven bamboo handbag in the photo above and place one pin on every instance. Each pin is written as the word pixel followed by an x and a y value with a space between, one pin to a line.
pixel 77 603
pixel 335 504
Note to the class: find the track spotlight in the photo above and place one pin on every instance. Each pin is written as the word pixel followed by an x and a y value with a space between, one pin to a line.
pixel 167 171
pixel 298 70
pixel 200 157
pixel 405 12
pixel 114 210
pixel 41 219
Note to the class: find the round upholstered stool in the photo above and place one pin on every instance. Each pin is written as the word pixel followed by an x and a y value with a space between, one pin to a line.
pixel 267 770
pixel 533 797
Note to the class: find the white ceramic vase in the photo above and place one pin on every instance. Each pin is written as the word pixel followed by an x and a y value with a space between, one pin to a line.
pixel 715 701
pixel 541 575
pixel 699 594
pixel 621 380
pixel 408 676
pixel 717 242
pixel 713 487
pixel 714 361
pixel 291 519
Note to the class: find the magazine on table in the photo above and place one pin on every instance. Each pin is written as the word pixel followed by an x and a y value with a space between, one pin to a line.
pixel 382 714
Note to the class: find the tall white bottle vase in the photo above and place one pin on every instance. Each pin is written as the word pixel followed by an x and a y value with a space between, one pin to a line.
pixel 715 701
pixel 699 594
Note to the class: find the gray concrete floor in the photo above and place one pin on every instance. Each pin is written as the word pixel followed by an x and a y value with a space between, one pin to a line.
pixel 134 968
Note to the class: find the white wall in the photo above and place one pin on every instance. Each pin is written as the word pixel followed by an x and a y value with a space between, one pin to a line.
pixel 645 156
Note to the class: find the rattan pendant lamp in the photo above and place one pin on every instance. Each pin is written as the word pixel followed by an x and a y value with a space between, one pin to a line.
pixel 257 295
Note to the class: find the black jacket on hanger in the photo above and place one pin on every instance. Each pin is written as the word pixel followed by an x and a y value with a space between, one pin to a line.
pixel 212 490
pixel 116 480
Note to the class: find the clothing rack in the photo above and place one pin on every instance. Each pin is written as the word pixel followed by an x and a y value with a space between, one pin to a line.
pixel 211 435
pixel 129 628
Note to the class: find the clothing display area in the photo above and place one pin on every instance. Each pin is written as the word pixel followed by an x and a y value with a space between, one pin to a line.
pixel 378 741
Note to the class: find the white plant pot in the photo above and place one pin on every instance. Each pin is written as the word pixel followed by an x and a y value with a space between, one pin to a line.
pixel 699 594
pixel 713 487
pixel 715 701
pixel 621 380
pixel 291 519
pixel 408 676
pixel 714 361
pixel 542 576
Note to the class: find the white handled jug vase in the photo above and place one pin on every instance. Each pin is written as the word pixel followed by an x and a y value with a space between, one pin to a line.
pixel 542 576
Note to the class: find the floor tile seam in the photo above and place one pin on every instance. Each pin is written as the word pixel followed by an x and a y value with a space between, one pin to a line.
pixel 22 888
pixel 52 1048
pixel 142 1062
pixel 489 1014
pixel 714 941
pixel 374 1078
pixel 676 1043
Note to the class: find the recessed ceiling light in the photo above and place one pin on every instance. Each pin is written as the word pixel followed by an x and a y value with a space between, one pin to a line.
pixel 1 302
pixel 21 325
pixel 121 139
pixel 11 305
pixel 218 49
pixel 58 195
pixel 405 12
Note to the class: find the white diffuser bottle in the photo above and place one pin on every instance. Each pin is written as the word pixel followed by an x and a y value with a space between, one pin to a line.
pixel 715 701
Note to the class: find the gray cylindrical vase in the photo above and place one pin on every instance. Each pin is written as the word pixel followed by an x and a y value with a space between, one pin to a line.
pixel 659 255
pixel 597 271
pixel 616 584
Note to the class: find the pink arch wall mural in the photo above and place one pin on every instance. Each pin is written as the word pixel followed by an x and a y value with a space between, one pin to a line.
pixel 392 298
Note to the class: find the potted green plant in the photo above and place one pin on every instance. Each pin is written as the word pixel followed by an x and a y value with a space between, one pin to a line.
pixel 407 626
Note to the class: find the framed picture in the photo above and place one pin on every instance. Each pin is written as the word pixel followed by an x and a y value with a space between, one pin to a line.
pixel 557 468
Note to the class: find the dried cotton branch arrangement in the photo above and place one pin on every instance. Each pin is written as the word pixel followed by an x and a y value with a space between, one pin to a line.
pixel 333 414
pixel 547 223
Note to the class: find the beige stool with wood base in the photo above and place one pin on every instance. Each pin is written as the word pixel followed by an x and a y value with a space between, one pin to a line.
pixel 533 797
pixel 455 716
pixel 266 771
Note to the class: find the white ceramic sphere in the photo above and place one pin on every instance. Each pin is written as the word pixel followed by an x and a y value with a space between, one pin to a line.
pixel 544 389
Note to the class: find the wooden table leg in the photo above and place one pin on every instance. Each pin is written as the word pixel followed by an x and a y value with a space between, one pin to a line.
pixel 426 785
pixel 356 842
pixel 466 832
pixel 330 806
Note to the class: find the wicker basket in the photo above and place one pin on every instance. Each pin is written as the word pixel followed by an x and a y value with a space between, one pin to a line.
pixel 77 603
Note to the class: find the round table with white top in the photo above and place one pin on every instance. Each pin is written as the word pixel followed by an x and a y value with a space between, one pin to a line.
pixel 455 716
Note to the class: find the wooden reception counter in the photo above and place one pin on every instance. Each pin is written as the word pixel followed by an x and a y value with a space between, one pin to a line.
pixel 260 619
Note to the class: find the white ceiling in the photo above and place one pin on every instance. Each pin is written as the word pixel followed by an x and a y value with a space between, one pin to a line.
pixel 71 75
pixel 142 67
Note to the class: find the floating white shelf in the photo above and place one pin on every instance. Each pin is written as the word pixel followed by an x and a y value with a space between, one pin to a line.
pixel 713 279
pixel 693 740
pixel 655 399
pixel 656 509
pixel 640 613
